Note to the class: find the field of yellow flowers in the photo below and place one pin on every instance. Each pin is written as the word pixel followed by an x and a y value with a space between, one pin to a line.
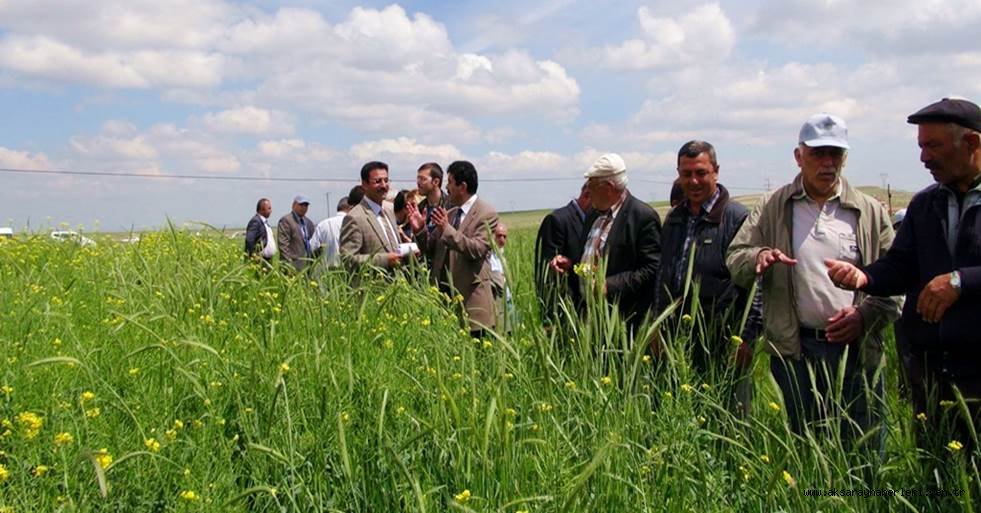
pixel 169 375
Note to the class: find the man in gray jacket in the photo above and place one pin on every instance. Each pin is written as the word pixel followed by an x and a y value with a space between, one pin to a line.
pixel 293 234
pixel 808 322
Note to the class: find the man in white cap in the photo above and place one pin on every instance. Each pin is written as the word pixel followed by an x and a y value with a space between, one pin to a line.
pixel 293 234
pixel 624 231
pixel 808 322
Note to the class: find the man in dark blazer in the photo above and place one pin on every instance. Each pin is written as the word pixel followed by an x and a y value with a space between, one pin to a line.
pixel 562 232
pixel 293 235
pixel 624 232
pixel 259 242
pixel 460 245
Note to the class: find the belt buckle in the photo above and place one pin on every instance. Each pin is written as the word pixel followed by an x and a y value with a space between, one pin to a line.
pixel 820 335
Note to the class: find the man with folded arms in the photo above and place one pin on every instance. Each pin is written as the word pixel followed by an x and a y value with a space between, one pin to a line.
pixel 936 262
pixel 808 321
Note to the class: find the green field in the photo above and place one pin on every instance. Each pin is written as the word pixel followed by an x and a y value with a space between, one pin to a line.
pixel 170 376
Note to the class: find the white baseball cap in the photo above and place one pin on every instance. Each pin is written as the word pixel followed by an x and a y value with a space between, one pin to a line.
pixel 824 130
pixel 609 164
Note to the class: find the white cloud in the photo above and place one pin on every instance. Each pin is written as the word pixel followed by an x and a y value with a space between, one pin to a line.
pixel 404 150
pixel 525 162
pixel 900 27
pixel 295 150
pixel 16 159
pixel 704 34
pixel 249 120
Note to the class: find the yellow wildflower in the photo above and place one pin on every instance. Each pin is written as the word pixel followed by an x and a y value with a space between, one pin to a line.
pixel 284 367
pixel 134 371
pixel 510 412
pixel 86 396
pixel 686 388
pixel 171 434
pixel 765 459
pixel 178 424
pixel 791 482
pixel 426 322
pixel 488 344
pixel 190 496
pixel 921 417
pixel 345 417
pixel 103 458
pixel 7 390
pixel 955 446
pixel 946 404
pixel 647 358
pixel 152 444
pixel 736 340
pixel 774 406
pixel 686 319
pixel 31 423
pixel 40 470
pixel 463 496
pixel 4 473
pixel 93 412
pixel 571 385
pixel 606 380
pixel 668 395
pixel 63 439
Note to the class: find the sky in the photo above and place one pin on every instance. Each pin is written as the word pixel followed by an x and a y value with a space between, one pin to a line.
pixel 530 90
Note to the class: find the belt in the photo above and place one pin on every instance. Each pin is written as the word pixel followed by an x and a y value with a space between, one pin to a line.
pixel 813 334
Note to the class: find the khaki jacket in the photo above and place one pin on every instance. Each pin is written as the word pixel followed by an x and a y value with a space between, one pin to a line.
pixel 362 240
pixel 770 225
pixel 289 237
pixel 460 260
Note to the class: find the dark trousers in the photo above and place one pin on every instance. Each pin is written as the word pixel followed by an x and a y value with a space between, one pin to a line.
pixel 858 406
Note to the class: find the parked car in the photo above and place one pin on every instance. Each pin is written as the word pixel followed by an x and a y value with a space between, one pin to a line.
pixel 72 236
pixel 6 232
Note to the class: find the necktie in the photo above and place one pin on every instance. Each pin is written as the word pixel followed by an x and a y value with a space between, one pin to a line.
pixel 457 218
pixel 303 234
pixel 598 241
pixel 393 238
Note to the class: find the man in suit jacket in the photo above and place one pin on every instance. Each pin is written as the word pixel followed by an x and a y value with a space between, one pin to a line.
pixel 293 234
pixel 368 233
pixel 562 232
pixel 259 240
pixel 460 245
pixel 627 233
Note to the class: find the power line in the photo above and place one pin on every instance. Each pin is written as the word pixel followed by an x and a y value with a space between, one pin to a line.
pixel 113 174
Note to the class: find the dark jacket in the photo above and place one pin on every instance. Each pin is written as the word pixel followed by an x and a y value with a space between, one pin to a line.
pixel 562 232
pixel 717 293
pixel 633 249
pixel 918 254
pixel 255 236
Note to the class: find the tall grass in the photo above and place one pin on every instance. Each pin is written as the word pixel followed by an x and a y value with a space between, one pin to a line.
pixel 187 380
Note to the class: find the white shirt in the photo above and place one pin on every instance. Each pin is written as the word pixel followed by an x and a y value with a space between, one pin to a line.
pixel 328 236
pixel 269 250
pixel 386 226
pixel 821 233
pixel 465 208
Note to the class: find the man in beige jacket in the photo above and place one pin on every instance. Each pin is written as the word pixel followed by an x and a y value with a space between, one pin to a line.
pixel 460 245
pixel 808 322
pixel 368 232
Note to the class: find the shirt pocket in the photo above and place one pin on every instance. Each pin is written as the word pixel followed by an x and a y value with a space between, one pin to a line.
pixel 848 247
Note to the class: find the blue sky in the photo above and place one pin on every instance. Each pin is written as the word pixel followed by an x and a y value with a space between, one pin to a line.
pixel 524 89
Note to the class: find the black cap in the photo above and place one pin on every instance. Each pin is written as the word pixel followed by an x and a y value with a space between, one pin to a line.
pixel 948 110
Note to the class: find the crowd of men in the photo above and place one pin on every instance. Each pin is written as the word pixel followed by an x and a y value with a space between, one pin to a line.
pixel 814 272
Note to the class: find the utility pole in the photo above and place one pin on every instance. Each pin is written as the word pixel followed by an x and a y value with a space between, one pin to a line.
pixel 328 204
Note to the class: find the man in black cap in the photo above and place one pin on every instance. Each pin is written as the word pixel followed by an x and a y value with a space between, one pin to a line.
pixel 936 261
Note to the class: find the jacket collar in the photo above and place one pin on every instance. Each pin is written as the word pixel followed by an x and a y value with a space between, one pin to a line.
pixel 847 194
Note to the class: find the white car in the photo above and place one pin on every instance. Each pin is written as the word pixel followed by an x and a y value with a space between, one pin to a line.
pixel 6 232
pixel 72 236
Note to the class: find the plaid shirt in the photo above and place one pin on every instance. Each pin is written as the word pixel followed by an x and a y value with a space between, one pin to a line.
pixel 682 268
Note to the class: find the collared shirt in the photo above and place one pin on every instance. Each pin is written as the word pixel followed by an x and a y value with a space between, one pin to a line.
pixel 956 211
pixel 269 250
pixel 595 246
pixel 429 207
pixel 386 226
pixel 819 233
pixel 682 266
pixel 301 221
pixel 327 236
pixel 465 208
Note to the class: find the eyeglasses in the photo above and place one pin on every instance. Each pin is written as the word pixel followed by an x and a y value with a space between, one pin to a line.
pixel 828 151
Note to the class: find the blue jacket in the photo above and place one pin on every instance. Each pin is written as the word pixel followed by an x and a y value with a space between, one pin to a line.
pixel 717 293
pixel 918 254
